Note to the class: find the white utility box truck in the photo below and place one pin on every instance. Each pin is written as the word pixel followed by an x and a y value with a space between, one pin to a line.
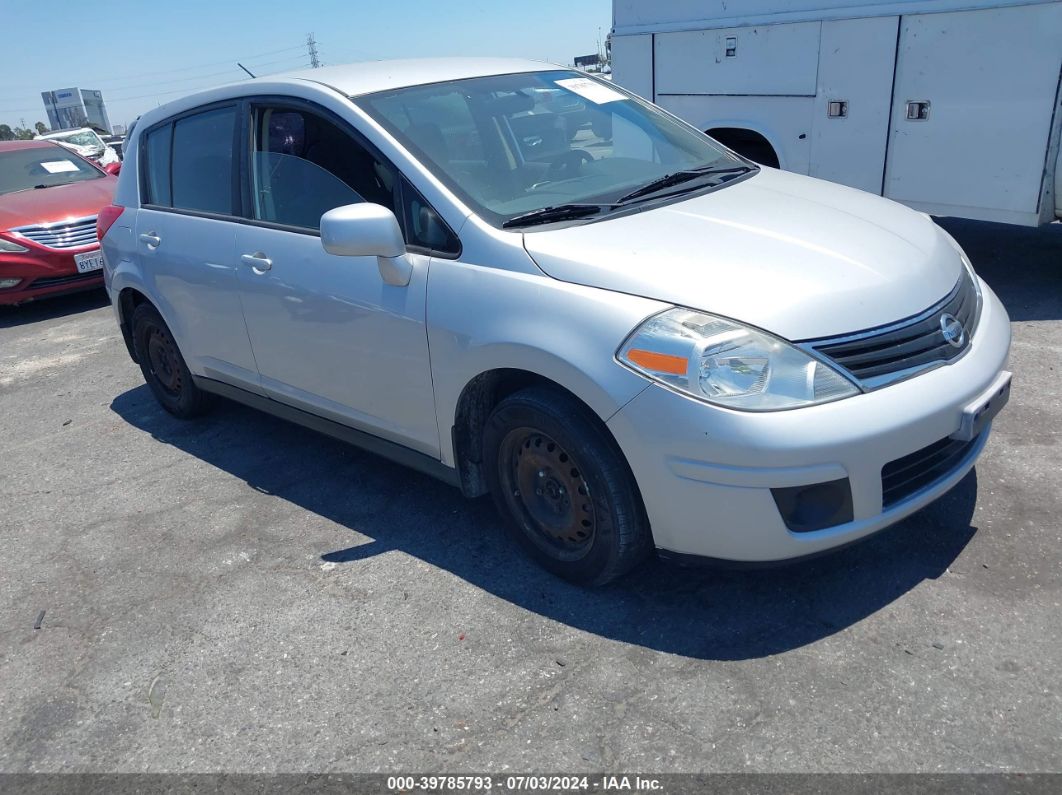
pixel 950 107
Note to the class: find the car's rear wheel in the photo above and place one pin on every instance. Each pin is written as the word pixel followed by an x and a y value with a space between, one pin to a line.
pixel 569 497
pixel 163 365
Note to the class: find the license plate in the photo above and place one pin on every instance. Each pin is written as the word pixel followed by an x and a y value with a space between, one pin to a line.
pixel 89 261
pixel 978 414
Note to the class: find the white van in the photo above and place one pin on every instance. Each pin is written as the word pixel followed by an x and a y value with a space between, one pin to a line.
pixel 949 106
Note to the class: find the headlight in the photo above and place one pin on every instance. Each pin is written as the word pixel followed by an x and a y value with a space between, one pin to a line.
pixel 972 274
pixel 14 248
pixel 965 261
pixel 724 362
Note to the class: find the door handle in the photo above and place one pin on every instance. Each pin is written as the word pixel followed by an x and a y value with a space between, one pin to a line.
pixel 259 261
pixel 918 110
pixel 153 240
pixel 837 109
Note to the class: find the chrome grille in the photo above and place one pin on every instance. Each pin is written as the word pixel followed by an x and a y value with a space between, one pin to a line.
pixel 885 354
pixel 62 234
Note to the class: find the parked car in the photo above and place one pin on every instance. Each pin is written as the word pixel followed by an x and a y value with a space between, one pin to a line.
pixel 115 142
pixel 86 142
pixel 646 341
pixel 49 199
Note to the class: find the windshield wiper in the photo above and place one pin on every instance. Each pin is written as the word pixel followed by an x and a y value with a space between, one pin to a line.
pixel 565 212
pixel 559 212
pixel 677 177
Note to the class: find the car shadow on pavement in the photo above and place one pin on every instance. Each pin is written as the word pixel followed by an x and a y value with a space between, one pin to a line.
pixel 50 308
pixel 705 613
pixel 1022 264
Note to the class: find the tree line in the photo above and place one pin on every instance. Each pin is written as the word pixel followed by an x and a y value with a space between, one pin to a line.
pixel 8 133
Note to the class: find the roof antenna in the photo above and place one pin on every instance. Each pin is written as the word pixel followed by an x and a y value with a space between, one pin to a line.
pixel 244 68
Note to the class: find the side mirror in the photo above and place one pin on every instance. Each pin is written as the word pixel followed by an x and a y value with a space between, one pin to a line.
pixel 113 169
pixel 368 230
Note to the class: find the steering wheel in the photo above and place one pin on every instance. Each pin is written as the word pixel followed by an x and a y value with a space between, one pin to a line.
pixel 568 164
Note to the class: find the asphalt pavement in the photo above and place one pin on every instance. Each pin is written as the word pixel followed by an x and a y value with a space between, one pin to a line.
pixel 240 594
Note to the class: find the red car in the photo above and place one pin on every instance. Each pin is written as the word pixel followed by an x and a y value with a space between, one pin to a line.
pixel 49 199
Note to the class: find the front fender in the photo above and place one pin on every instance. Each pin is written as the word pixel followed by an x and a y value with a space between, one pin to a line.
pixel 482 319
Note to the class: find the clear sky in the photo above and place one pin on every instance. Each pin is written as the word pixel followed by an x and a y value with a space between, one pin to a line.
pixel 144 52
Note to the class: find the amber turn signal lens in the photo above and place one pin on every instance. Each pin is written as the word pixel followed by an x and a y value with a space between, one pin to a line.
pixel 659 362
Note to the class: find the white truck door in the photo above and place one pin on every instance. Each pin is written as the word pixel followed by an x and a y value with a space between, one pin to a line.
pixel 750 78
pixel 632 64
pixel 849 130
pixel 974 99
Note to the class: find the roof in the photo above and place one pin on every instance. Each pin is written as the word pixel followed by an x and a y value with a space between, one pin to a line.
pixel 352 80
pixel 35 143
pixel 368 76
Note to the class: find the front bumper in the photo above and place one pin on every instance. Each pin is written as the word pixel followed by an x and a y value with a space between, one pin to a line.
pixel 706 473
pixel 45 272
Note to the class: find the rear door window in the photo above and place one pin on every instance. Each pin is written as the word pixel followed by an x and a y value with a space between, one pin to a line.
pixel 202 161
pixel 157 168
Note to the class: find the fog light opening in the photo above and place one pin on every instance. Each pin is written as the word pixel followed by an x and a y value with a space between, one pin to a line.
pixel 815 507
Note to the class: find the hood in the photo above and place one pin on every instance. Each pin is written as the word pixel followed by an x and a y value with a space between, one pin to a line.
pixel 799 257
pixel 76 200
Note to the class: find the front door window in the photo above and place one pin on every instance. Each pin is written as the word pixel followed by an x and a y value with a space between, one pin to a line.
pixel 303 166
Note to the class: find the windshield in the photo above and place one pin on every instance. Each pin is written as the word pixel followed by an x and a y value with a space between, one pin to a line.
pixel 510 145
pixel 80 138
pixel 42 167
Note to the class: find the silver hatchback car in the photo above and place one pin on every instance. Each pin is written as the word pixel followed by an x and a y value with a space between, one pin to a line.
pixel 630 336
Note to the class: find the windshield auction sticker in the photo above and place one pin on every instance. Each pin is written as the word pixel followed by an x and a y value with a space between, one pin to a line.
pixel 591 90
pixel 58 166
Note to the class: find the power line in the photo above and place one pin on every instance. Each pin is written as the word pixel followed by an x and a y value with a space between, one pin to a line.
pixel 156 94
pixel 230 73
pixel 189 89
pixel 203 77
pixel 311 48
pixel 124 83
pixel 195 77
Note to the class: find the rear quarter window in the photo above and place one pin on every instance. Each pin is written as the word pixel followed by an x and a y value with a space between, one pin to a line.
pixel 157 166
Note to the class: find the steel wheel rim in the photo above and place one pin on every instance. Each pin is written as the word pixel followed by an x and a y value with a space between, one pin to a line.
pixel 546 489
pixel 163 360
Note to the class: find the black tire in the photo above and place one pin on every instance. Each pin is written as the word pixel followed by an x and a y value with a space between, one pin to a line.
pixel 544 450
pixel 163 365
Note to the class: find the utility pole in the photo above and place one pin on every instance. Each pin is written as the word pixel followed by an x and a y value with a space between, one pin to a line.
pixel 311 47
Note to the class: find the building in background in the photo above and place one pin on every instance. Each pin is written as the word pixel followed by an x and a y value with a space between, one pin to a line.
pixel 76 107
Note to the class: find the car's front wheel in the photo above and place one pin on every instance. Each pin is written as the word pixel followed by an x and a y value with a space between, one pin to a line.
pixel 558 477
pixel 163 365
